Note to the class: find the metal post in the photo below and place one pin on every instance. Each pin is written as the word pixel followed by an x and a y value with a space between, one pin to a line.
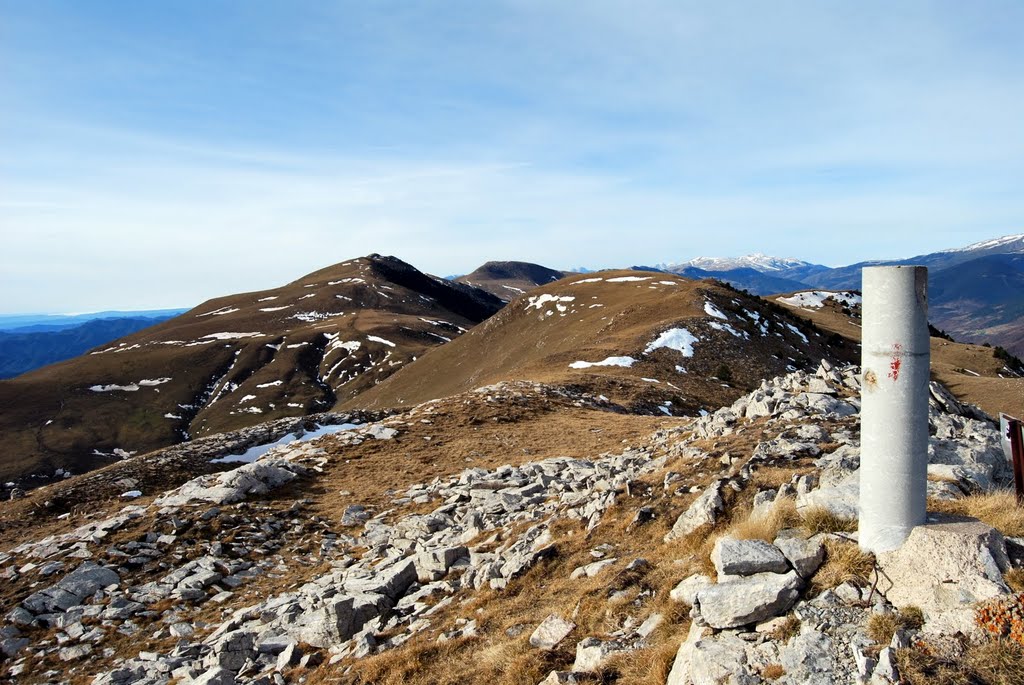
pixel 1013 446
pixel 894 405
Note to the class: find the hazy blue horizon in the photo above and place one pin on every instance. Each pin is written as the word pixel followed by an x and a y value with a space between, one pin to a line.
pixel 165 153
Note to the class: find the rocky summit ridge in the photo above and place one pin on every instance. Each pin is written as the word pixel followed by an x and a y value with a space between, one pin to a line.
pixel 707 550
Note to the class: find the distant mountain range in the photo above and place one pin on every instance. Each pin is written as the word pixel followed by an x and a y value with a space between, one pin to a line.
pixel 39 323
pixel 29 347
pixel 757 261
pixel 976 293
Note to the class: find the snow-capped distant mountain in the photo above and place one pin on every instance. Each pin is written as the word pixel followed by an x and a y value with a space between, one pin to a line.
pixel 757 261
pixel 1008 243
pixel 759 273
pixel 849 276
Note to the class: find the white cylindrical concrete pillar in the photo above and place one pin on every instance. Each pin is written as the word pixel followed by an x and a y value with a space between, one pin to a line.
pixel 894 405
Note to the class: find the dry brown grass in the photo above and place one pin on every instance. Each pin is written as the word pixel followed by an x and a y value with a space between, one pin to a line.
pixel 1015 579
pixel 821 520
pixel 773 477
pixel 781 515
pixel 773 672
pixel 990 662
pixel 844 562
pixel 645 667
pixel 693 552
pixel 696 548
pixel 508 662
pixel 766 526
pixel 997 508
pixel 789 628
pixel 881 627
pixel 465 434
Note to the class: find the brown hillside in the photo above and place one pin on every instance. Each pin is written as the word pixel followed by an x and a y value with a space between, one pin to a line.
pixel 972 372
pixel 599 317
pixel 509 280
pixel 233 362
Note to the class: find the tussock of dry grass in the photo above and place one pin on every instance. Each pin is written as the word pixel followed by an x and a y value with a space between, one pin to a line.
pixel 766 526
pixel 783 514
pixel 774 477
pixel 997 508
pixel 991 662
pixel 881 627
pixel 1015 579
pixel 844 562
pixel 787 629
pixel 773 672
pixel 695 550
pixel 821 520
pixel 509 662
pixel 645 667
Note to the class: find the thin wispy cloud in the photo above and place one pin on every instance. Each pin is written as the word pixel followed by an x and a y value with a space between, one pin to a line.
pixel 178 153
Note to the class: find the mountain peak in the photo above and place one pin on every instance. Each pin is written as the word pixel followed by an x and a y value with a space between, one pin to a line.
pixel 1003 244
pixel 757 261
pixel 509 279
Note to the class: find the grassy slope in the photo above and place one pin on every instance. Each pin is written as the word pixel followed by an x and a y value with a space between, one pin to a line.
pixel 386 311
pixel 606 319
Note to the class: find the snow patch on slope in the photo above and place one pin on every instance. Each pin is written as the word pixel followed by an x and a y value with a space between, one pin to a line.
pixel 714 311
pixel 609 361
pixel 131 387
pixel 538 301
pixel 815 299
pixel 678 339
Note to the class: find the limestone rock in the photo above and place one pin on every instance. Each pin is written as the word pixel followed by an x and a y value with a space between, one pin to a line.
pixel 215 676
pixel 704 511
pixel 592 653
pixel 721 660
pixel 842 500
pixel 733 557
pixel 72 589
pixel 750 599
pixel 886 671
pixel 681 665
pixel 551 631
pixel 10 646
pixel 592 569
pixel 687 589
pixel 74 653
pixel 233 649
pixel 379 432
pixel 805 555
pixel 434 564
pixel 944 568
pixel 807 654
pixel 650 624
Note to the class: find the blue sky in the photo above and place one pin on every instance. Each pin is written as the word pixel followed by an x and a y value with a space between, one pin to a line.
pixel 156 154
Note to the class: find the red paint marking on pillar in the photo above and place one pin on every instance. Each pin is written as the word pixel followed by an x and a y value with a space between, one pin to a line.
pixel 896 363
